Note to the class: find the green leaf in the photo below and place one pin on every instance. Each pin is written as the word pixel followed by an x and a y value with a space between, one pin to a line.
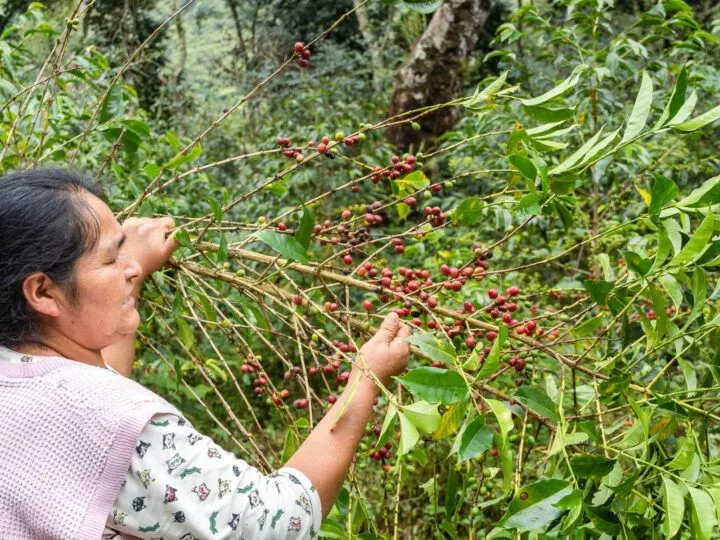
pixel 409 435
pixel 524 165
pixel 216 208
pixel 636 263
pixel 575 158
pixel 185 333
pixel 181 159
pixel 489 90
pixel 640 111
pixel 538 401
pixel 435 385
pixel 698 242
pixel 412 182
pixel 684 456
pixel 596 152
pixel 529 205
pixel 476 439
pixel 451 420
pixel 437 350
pixel 676 99
pixel 565 86
pixel 492 361
pixel 423 415
pixel 304 232
pixel 538 508
pixel 113 105
pixel 469 212
pixel 547 114
pixel 284 244
pixel 707 194
pixel 591 466
pixel 503 415
pixel 699 121
pixel 699 290
pixel 564 214
pixel 588 327
pixel 664 190
pixel 387 428
pixel 674 506
pixel 598 290
pixel 704 517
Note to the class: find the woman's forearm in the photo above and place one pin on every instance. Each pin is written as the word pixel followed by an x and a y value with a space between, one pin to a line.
pixel 326 454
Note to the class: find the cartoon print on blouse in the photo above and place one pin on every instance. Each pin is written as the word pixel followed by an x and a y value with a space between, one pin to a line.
pixel 246 488
pixel 145 478
pixel 313 534
pixel 170 494
pixel 139 503
pixel 142 448
pixel 213 522
pixel 276 518
pixel 189 536
pixel 223 487
pixel 304 503
pixel 233 523
pixel 179 517
pixel 150 528
pixel 202 491
pixel 263 517
pixel 236 470
pixel 193 438
pixel 254 499
pixel 191 470
pixel 162 423
pixel 181 421
pixel 169 441
pixel 213 452
pixel 294 479
pixel 119 517
pixel 295 524
pixel 174 462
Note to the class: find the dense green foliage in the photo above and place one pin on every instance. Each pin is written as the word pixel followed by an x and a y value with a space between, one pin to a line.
pixel 585 171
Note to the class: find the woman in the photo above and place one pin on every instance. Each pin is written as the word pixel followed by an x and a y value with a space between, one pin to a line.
pixel 86 451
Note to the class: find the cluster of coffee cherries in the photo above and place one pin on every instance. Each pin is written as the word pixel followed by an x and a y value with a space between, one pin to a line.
pixel 304 52
pixel 383 454
pixel 507 306
pixel 517 362
pixel 288 152
pixel 435 214
pixel 395 169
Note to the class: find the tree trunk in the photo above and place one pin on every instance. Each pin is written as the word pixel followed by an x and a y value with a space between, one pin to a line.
pixel 433 73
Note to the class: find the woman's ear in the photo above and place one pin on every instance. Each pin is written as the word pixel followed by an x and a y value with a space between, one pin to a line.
pixel 42 294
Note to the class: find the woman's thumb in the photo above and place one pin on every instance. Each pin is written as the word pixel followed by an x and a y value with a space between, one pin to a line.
pixel 388 328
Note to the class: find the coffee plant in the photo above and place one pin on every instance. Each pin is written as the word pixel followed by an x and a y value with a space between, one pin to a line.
pixel 557 254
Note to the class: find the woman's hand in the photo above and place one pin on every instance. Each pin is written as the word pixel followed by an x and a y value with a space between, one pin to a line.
pixel 147 242
pixel 387 351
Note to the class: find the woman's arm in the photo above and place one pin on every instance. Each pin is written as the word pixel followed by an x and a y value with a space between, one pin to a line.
pixel 326 454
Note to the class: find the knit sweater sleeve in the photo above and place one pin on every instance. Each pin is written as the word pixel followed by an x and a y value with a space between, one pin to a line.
pixel 182 485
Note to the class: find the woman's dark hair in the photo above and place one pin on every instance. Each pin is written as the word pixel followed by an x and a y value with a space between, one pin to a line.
pixel 45 226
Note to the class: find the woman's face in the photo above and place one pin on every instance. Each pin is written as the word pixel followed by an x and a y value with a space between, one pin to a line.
pixel 104 311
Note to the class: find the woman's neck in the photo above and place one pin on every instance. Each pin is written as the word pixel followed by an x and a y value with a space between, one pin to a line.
pixel 58 346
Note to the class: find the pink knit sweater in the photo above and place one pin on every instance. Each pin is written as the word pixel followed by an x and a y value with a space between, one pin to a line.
pixel 67 433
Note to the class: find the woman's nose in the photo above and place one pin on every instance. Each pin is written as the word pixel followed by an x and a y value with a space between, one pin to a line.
pixel 132 270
